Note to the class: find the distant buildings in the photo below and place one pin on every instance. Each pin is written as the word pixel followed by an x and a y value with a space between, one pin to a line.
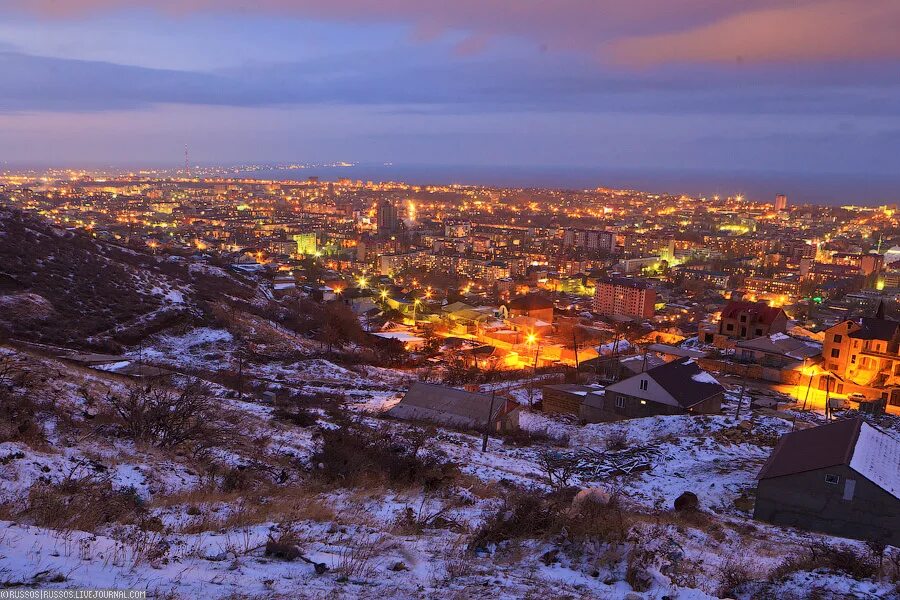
pixel 781 202
pixel 842 478
pixel 622 297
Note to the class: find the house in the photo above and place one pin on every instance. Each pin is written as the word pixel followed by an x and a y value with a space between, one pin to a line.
pixel 566 398
pixel 777 350
pixel 444 405
pixel 866 352
pixel 532 305
pixel 747 320
pixel 675 388
pixel 842 478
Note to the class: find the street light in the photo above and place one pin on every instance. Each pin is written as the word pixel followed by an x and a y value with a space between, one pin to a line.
pixel 532 339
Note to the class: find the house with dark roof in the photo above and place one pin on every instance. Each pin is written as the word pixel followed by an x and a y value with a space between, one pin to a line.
pixel 676 388
pixel 865 353
pixel 842 478
pixel 747 320
pixel 453 407
pixel 536 306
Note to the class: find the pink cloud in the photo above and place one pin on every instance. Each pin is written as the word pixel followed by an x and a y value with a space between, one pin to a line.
pixel 825 31
pixel 624 31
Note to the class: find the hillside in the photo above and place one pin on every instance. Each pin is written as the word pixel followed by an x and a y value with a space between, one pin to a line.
pixel 64 286
pixel 319 495
pixel 265 466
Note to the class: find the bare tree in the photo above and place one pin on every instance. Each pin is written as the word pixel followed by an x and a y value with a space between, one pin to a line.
pixel 557 468
pixel 167 418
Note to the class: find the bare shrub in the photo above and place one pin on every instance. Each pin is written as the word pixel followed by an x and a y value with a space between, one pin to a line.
pixel 821 555
pixel 532 515
pixel 353 453
pixel 617 439
pixel 525 438
pixel 84 503
pixel 735 573
pixel 357 558
pixel 167 418
pixel 558 469
pixel 18 409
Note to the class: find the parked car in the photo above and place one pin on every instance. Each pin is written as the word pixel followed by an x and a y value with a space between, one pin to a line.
pixel 856 397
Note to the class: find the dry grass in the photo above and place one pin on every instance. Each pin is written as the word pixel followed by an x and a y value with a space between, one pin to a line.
pixel 531 515
pixel 272 504
pixel 84 503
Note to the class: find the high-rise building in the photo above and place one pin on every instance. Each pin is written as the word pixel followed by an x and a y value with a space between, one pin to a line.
pixel 622 297
pixel 306 243
pixel 780 202
pixel 388 218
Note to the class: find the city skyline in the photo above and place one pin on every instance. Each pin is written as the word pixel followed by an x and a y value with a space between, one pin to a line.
pixel 769 89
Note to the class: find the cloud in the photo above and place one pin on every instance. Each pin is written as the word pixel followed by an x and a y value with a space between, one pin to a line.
pixel 421 81
pixel 835 30
pixel 637 31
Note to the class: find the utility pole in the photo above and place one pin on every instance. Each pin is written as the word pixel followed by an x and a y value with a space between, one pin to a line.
pixel 533 376
pixel 737 415
pixel 575 347
pixel 487 425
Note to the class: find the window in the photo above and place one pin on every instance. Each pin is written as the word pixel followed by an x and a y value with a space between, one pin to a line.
pixel 758 331
pixel 835 352
pixel 849 488
pixel 853 359
pixel 729 327
pixel 838 338
pixel 620 402
pixel 644 384
pixel 832 479
pixel 743 318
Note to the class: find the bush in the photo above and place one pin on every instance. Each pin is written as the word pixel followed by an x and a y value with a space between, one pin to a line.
pixel 17 406
pixel 352 452
pixel 820 555
pixel 83 503
pixel 533 515
pixel 167 419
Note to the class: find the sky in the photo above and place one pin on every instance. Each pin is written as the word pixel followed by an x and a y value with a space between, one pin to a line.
pixel 778 89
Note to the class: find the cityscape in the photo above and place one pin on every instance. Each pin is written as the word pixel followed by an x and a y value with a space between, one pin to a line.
pixel 497 299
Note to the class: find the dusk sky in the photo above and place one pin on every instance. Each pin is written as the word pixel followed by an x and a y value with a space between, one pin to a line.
pixel 800 87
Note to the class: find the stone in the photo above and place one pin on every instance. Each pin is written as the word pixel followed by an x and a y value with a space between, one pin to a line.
pixel 687 501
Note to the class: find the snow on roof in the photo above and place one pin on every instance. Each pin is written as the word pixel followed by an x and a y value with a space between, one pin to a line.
pixel 876 456
pixel 704 377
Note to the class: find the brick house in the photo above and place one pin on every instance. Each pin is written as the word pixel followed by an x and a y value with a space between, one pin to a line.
pixel 865 353
pixel 747 320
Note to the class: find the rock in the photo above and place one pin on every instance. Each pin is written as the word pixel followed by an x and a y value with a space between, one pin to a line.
pixel 217 557
pixel 398 566
pixel 687 501
pixel 550 557
pixel 282 550
pixel 591 495
pixel 634 596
